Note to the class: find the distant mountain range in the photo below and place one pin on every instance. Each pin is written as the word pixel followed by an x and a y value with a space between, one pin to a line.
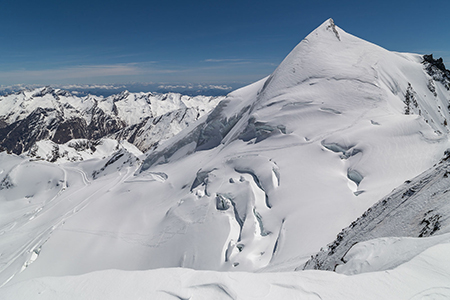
pixel 143 119
pixel 106 90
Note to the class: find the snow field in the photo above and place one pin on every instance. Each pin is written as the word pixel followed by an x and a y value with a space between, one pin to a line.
pixel 425 276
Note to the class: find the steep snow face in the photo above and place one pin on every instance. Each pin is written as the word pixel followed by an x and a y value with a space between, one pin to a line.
pixel 265 179
pixel 386 253
pixel 418 208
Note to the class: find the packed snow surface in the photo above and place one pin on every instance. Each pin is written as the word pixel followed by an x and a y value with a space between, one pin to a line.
pixel 261 183
pixel 425 276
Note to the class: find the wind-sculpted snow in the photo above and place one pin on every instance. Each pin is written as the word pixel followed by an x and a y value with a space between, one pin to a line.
pixel 425 276
pixel 386 253
pixel 260 183
pixel 238 192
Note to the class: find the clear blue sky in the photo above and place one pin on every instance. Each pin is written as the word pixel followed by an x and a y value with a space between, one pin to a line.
pixel 91 41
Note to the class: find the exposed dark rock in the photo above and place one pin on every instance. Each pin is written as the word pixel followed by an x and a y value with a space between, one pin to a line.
pixel 436 69
pixel 431 224
pixel 102 124
pixel 6 183
pixel 55 153
pixel 131 132
pixel 410 100
pixel 71 129
pixel 83 145
pixel 19 136
pixel 332 26
pixel 438 63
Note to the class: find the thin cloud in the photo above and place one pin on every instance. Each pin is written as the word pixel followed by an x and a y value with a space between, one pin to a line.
pixel 221 60
pixel 236 62
pixel 217 70
pixel 88 71
pixel 91 86
pixel 85 72
pixel 197 86
pixel 220 87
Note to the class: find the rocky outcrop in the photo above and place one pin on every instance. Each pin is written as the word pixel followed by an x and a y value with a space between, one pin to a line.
pixel 20 136
pixel 436 69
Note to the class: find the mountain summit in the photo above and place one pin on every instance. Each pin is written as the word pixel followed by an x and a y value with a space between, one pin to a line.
pixel 338 125
pixel 260 183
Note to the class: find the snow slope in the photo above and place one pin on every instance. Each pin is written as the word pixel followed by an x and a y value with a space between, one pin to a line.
pixel 259 184
pixel 423 277
pixel 418 208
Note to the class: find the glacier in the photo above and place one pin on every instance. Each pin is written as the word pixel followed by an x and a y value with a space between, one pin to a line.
pixel 236 204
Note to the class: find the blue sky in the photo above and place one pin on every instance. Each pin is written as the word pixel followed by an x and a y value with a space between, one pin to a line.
pixel 220 42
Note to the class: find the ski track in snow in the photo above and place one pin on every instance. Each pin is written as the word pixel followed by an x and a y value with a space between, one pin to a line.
pixel 58 209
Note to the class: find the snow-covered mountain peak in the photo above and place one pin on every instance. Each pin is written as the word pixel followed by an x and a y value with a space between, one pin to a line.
pixel 323 70
pixel 327 53
pixel 327 30
pixel 343 120
pixel 331 73
pixel 331 26
pixel 121 96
